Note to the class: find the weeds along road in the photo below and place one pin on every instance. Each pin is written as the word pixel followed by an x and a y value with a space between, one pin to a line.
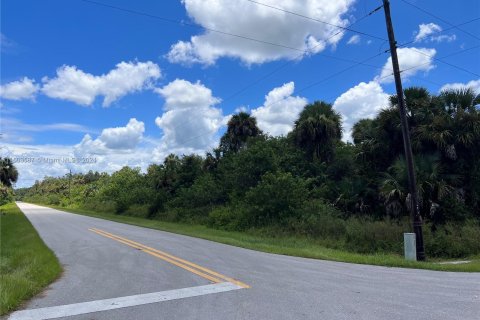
pixel 119 271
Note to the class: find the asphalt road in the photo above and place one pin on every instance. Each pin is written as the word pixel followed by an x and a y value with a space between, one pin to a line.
pixel 105 270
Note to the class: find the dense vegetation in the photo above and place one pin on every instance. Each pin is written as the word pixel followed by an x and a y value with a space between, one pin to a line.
pixel 309 183
pixel 8 176
pixel 27 263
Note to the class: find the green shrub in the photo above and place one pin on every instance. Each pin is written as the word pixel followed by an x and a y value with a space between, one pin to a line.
pixel 6 195
pixel 137 210
pixel 275 199
pixel 453 240
pixel 106 206
pixel 53 199
pixel 223 217
pixel 367 236
pixel 319 220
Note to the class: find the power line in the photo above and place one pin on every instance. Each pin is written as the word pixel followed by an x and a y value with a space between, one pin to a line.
pixel 444 62
pixel 440 59
pixel 441 31
pixel 297 57
pixel 318 20
pixel 291 61
pixel 303 89
pixel 441 19
pixel 303 51
pixel 343 71
pixel 183 23
pixel 443 57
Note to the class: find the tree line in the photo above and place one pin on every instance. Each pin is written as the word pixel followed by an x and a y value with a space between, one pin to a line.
pixel 310 183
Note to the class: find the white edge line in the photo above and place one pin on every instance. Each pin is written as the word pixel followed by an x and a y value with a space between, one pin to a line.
pixel 120 302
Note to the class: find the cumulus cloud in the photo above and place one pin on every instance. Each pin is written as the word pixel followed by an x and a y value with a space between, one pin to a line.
pixel 473 84
pixel 112 139
pixel 355 39
pixel 19 90
pixel 191 121
pixel 363 101
pixel 261 23
pixel 411 61
pixel 280 110
pixel 82 88
pixel 426 29
pixel 425 32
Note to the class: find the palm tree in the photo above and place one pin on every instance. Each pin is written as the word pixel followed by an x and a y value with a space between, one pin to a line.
pixel 317 130
pixel 241 127
pixel 459 99
pixel 455 124
pixel 363 131
pixel 8 172
pixel 433 185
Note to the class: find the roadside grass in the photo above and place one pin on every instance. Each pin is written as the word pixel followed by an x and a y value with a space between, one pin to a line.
pixel 285 245
pixel 27 264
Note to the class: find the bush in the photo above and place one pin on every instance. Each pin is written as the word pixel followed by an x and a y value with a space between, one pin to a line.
pixel 6 195
pixel 137 210
pixel 453 240
pixel 275 199
pixel 367 236
pixel 106 206
pixel 319 220
pixel 223 218
pixel 53 199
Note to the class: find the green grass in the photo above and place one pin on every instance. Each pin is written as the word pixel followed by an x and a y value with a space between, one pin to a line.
pixel 27 265
pixel 293 246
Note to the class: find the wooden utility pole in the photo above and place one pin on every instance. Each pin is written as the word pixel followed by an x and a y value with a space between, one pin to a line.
pixel 412 184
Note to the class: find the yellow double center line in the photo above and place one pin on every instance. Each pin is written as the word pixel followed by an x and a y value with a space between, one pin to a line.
pixel 203 272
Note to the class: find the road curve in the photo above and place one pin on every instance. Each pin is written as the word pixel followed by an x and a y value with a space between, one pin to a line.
pixel 118 271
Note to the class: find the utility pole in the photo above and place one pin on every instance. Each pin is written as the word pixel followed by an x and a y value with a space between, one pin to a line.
pixel 412 184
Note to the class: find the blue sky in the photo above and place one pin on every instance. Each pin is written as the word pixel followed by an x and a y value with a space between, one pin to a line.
pixel 126 87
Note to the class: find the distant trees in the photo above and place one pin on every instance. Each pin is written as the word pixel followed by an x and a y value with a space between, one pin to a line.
pixel 310 182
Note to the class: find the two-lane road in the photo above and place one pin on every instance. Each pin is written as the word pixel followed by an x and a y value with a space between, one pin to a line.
pixel 119 271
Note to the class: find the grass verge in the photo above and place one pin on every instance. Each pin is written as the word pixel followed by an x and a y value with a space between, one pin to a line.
pixel 27 264
pixel 292 246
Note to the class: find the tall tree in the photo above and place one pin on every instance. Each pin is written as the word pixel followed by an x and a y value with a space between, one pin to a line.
pixel 8 172
pixel 241 127
pixel 317 130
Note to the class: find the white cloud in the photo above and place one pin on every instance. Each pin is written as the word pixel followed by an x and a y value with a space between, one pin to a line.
pixel 112 139
pixel 444 37
pixel 123 137
pixel 19 90
pixel 426 29
pixel 425 32
pixel 363 101
pixel 280 110
pixel 411 61
pixel 82 88
pixel 14 124
pixel 190 122
pixel 241 109
pixel 355 39
pixel 259 22
pixel 473 84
